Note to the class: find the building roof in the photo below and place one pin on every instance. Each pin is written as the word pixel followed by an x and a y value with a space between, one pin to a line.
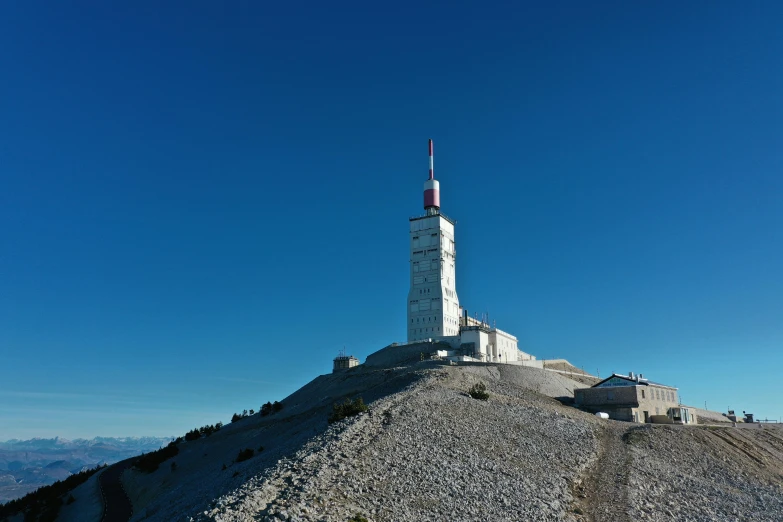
pixel 632 382
pixel 444 216
pixel 345 358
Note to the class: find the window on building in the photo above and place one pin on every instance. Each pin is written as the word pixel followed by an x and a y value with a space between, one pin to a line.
pixel 642 394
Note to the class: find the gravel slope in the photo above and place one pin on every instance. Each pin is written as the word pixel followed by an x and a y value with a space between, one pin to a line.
pixel 706 473
pixel 431 453
pixel 88 506
pixel 427 451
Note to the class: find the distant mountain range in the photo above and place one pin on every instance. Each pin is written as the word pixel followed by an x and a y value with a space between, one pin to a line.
pixel 26 465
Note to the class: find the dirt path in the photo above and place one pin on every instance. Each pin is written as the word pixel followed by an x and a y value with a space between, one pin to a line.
pixel 602 493
pixel 116 505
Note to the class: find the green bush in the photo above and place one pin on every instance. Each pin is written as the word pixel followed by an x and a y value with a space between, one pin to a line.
pixel 245 454
pixel 149 462
pixel 358 517
pixel 479 391
pixel 349 408
pixel 204 431
pixel 269 408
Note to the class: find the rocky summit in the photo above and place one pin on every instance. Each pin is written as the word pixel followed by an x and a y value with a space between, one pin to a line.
pixel 425 449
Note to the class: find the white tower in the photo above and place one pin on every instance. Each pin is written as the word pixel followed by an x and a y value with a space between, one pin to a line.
pixel 433 306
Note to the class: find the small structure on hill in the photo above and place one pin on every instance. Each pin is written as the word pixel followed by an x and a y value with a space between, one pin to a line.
pixel 344 362
pixel 633 398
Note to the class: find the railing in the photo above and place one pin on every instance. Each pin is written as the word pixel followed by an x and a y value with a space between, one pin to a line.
pixel 431 215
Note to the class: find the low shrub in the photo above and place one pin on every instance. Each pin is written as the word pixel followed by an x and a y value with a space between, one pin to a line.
pixel 149 462
pixel 479 391
pixel 240 416
pixel 358 517
pixel 204 431
pixel 349 408
pixel 208 430
pixel 245 454
pixel 270 407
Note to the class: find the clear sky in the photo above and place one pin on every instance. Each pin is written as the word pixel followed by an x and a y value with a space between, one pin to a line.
pixel 202 203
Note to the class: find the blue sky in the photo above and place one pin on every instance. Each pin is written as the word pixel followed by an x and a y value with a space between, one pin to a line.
pixel 203 203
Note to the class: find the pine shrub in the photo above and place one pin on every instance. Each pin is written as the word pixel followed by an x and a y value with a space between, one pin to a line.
pixel 245 454
pixel 479 391
pixel 349 408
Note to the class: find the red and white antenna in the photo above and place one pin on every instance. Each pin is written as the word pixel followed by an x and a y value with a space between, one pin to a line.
pixel 432 164
pixel 431 189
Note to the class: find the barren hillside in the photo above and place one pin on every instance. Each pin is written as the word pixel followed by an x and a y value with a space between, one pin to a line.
pixel 426 450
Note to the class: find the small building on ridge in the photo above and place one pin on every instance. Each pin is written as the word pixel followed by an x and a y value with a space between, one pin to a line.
pixel 633 398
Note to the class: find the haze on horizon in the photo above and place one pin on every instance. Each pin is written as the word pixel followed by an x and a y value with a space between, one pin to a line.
pixel 201 206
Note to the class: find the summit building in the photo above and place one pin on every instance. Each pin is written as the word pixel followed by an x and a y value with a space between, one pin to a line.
pixel 434 311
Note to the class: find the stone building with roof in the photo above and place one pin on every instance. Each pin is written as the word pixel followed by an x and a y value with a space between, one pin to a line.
pixel 633 398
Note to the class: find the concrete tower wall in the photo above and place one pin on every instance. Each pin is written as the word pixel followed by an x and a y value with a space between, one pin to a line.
pixel 433 305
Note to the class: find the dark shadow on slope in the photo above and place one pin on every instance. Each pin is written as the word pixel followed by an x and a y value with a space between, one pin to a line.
pixel 303 416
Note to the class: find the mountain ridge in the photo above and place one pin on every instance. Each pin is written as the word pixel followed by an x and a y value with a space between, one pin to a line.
pixel 27 464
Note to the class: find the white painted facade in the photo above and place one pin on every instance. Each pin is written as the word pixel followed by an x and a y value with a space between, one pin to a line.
pixel 479 339
pixel 503 346
pixel 433 305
